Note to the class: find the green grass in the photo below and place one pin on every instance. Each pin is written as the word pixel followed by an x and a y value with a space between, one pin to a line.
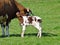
pixel 49 11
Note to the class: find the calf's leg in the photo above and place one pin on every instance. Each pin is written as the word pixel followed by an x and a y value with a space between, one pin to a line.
pixel 39 32
pixel 23 30
pixel 37 25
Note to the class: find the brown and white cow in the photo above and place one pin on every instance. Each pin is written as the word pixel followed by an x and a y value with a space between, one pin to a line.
pixel 8 9
pixel 30 20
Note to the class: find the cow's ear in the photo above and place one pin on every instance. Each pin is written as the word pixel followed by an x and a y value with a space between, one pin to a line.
pixel 28 9
pixel 17 13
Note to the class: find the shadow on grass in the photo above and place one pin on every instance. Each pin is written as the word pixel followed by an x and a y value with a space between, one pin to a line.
pixel 31 34
pixel 43 34
pixel 49 34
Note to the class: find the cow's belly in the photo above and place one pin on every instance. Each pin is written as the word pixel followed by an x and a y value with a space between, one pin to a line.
pixel 3 19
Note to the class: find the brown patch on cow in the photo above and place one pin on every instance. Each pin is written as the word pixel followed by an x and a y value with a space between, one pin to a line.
pixel 39 20
pixel 30 19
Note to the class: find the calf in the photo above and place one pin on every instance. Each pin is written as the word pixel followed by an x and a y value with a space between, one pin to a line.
pixel 30 20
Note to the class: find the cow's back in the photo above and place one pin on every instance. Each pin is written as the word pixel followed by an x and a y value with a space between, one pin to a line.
pixel 1 7
pixel 8 7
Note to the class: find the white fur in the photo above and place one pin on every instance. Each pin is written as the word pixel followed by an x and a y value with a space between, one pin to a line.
pixel 34 23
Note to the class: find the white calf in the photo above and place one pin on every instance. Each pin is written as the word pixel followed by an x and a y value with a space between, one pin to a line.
pixel 31 20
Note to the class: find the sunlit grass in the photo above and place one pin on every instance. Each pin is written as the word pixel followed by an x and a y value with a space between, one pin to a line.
pixel 49 11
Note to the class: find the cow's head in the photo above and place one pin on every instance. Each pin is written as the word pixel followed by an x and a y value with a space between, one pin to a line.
pixel 28 11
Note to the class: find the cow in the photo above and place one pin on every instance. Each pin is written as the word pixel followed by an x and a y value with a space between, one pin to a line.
pixel 8 9
pixel 30 20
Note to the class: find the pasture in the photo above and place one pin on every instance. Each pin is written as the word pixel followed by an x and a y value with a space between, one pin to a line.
pixel 49 11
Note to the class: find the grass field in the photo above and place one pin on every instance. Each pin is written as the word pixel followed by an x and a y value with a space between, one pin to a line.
pixel 49 11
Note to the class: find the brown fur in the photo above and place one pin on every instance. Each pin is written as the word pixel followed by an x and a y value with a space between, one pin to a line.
pixel 30 19
pixel 35 19
pixel 20 8
pixel 20 18
pixel 10 7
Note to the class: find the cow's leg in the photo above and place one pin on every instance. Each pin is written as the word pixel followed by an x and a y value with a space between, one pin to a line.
pixel 23 30
pixel 7 30
pixel 3 27
pixel 39 29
